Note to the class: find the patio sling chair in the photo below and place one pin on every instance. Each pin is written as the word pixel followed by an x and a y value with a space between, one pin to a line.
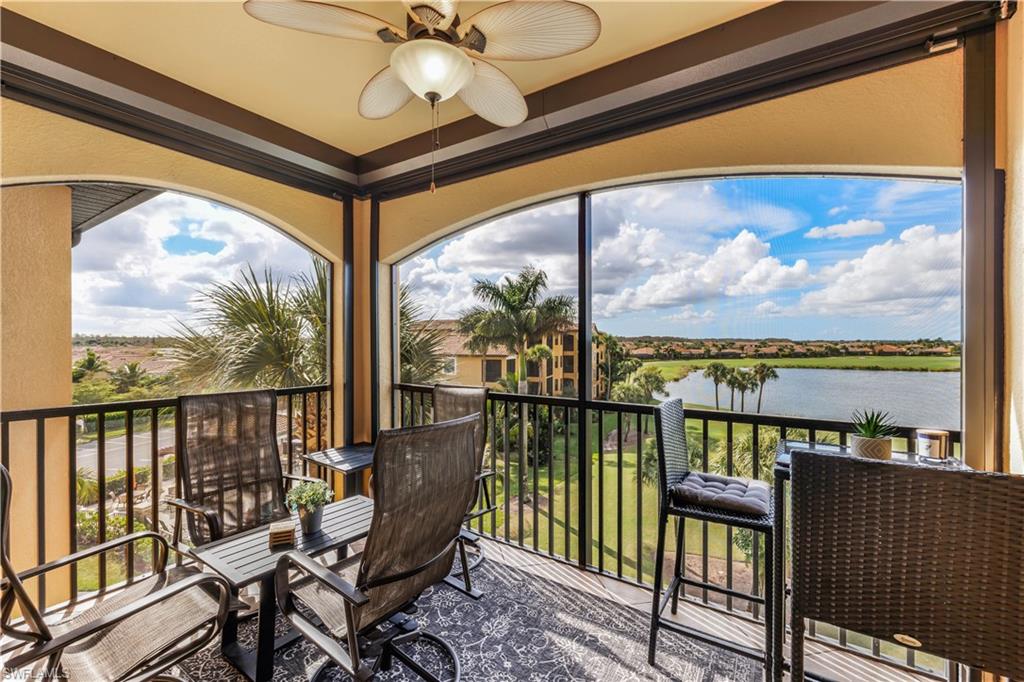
pixel 131 633
pixel 228 466
pixel 423 480
pixel 451 402
pixel 687 494
pixel 924 557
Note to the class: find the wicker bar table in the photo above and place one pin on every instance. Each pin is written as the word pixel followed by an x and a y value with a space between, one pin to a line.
pixel 782 475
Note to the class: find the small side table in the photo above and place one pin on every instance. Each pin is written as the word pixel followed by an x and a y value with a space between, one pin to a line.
pixel 349 461
pixel 782 474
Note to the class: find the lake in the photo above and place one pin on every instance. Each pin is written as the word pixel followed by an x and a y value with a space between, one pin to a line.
pixel 915 399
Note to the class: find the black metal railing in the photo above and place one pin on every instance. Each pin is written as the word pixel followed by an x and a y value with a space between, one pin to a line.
pixel 119 460
pixel 589 496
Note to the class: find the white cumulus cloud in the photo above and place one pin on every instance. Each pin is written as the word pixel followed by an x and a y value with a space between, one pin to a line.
pixel 688 313
pixel 851 228
pixel 917 274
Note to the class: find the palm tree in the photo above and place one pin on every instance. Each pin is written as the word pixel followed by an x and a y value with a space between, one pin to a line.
pixel 743 381
pixel 718 373
pixel 515 311
pixel 90 364
pixel 763 373
pixel 257 332
pixel 617 363
pixel 127 377
pixel 736 381
pixel 419 341
pixel 87 490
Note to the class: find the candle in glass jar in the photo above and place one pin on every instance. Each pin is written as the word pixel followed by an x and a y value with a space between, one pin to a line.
pixel 932 443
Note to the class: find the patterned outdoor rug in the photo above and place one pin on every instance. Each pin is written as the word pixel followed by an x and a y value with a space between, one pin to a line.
pixel 524 628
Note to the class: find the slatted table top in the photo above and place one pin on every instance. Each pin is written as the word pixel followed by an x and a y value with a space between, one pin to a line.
pixel 346 460
pixel 245 558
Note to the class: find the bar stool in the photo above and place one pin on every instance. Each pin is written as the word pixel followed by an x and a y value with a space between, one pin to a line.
pixel 705 497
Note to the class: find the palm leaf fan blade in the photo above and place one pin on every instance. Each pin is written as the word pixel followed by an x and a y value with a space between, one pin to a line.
pixel 520 30
pixel 493 96
pixel 318 17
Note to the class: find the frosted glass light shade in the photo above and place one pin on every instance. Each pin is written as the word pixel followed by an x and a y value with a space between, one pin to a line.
pixel 427 66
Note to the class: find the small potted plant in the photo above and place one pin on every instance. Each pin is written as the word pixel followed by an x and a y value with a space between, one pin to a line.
pixel 872 435
pixel 308 499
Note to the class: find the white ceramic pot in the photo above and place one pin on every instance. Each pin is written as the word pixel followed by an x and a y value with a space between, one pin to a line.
pixel 871 448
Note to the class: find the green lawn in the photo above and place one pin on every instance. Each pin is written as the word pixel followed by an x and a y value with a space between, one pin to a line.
pixel 546 512
pixel 675 369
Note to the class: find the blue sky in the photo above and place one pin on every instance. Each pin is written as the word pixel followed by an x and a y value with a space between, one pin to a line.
pixel 139 272
pixel 796 257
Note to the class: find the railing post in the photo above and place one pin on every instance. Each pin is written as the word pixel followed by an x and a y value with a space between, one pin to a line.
pixel 584 383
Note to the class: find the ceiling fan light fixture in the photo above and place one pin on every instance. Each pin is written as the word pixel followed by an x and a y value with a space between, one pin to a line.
pixel 432 69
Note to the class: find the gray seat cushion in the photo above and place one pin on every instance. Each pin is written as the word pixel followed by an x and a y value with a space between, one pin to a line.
pixel 723 492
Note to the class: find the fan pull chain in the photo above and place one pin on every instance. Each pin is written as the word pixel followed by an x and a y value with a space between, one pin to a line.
pixel 435 139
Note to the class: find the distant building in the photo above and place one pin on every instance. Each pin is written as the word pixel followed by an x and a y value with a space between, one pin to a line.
pixel 555 376
pixel 888 349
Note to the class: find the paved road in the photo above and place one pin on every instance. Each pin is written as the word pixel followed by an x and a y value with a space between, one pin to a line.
pixel 88 453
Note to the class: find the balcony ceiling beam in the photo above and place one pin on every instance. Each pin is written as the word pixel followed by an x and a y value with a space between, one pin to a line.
pixel 778 50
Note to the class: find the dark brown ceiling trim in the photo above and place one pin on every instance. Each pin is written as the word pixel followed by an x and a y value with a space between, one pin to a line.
pixel 27 86
pixel 855 55
pixel 24 33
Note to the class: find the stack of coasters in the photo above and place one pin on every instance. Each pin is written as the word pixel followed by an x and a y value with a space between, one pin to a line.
pixel 282 534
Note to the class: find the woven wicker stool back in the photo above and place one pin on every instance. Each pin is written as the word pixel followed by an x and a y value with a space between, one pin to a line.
pixel 673 455
pixel 229 460
pixel 887 548
pixel 423 480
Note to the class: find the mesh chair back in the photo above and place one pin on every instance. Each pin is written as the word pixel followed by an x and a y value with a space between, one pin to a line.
pixel 423 480
pixel 886 548
pixel 452 402
pixel 14 592
pixel 229 460
pixel 673 456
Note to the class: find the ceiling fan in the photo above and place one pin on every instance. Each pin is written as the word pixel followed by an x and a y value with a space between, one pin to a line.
pixel 438 56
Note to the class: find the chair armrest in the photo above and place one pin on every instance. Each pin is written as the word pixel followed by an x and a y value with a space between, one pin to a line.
pixel 296 477
pixel 100 549
pixel 318 572
pixel 350 658
pixel 197 581
pixel 485 474
pixel 209 516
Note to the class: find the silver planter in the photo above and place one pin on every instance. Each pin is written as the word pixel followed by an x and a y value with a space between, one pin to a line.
pixel 871 448
pixel 310 520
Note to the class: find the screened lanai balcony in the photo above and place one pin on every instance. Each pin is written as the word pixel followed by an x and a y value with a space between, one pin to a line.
pixel 515 340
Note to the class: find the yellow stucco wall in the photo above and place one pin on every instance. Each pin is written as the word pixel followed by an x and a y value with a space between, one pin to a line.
pixel 35 359
pixel 906 119
pixel 1011 38
pixel 39 146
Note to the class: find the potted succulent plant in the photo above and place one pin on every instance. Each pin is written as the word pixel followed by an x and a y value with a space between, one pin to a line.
pixel 308 499
pixel 872 434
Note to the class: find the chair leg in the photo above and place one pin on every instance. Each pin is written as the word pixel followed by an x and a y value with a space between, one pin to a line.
pixel 680 529
pixel 770 617
pixel 414 666
pixel 796 648
pixel 659 559
pixel 466 584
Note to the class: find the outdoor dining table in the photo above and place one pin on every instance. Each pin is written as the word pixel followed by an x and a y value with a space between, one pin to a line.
pixel 246 559
pixel 782 475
